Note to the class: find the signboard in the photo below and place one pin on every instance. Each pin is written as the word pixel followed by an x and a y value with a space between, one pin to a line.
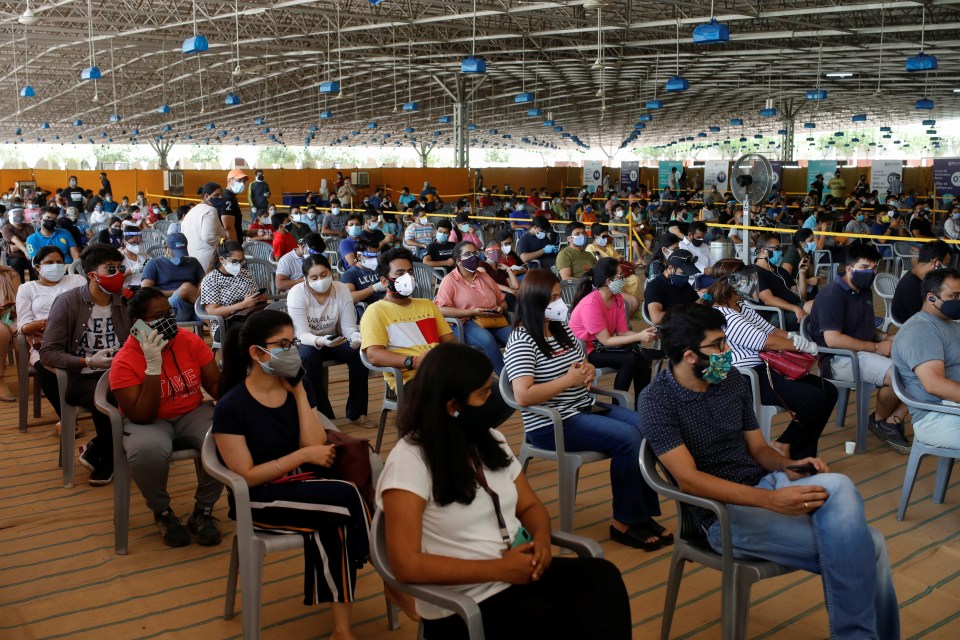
pixel 946 176
pixel 630 175
pixel 663 177
pixel 826 168
pixel 716 173
pixel 883 173
pixel 592 174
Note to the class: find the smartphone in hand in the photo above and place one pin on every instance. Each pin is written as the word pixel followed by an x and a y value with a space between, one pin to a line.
pixel 140 330
pixel 807 469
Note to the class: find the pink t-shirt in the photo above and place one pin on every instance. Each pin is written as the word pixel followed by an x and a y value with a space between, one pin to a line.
pixel 592 316
pixel 458 293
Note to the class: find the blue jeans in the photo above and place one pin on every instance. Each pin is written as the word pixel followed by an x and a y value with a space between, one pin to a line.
pixel 487 340
pixel 833 541
pixel 616 434
pixel 185 310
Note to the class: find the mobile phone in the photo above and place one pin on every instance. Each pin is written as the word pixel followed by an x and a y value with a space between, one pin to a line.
pixel 140 330
pixel 523 537
pixel 294 381
pixel 807 468
pixel 261 291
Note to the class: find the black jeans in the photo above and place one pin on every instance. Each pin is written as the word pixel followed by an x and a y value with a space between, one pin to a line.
pixel 345 354
pixel 811 399
pixel 631 368
pixel 575 598
pixel 21 264
pixel 80 389
pixel 48 383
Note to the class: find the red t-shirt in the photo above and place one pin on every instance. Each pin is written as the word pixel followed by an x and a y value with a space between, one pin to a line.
pixel 180 382
pixel 283 243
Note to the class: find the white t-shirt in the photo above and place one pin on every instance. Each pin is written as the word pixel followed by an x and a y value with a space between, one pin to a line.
pixel 100 334
pixel 702 252
pixel 141 261
pixel 34 301
pixel 336 315
pixel 465 531
pixel 291 265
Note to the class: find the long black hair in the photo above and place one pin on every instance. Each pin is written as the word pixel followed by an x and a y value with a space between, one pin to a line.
pixel 605 269
pixel 256 330
pixel 535 292
pixel 449 371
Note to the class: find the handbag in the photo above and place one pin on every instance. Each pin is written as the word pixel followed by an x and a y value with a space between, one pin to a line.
pixel 792 365
pixel 627 268
pixel 491 322
pixel 352 462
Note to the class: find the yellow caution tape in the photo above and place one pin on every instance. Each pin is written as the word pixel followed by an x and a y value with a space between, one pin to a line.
pixel 837 234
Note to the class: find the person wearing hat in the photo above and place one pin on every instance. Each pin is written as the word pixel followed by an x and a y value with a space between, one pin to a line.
pixel 672 286
pixel 202 226
pixel 15 233
pixel 177 275
pixel 259 195
pixel 229 208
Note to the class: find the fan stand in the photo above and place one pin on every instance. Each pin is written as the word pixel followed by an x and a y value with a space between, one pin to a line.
pixel 746 232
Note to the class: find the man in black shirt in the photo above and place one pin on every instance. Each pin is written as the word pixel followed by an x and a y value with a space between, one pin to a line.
pixel 908 298
pixel 777 287
pixel 697 416
pixel 74 195
pixel 672 286
pixel 228 207
pixel 920 226
pixel 105 184
pixel 259 194
pixel 440 251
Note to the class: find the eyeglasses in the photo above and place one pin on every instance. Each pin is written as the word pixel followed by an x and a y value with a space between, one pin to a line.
pixel 468 254
pixel 719 344
pixel 112 270
pixel 285 344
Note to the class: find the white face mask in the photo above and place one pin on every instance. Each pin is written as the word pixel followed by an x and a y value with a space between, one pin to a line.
pixel 369 263
pixel 405 284
pixel 53 272
pixel 322 285
pixel 422 221
pixel 297 217
pixel 541 235
pixel 556 310
pixel 133 248
pixel 600 241
pixel 237 187
pixel 335 211
pixel 233 268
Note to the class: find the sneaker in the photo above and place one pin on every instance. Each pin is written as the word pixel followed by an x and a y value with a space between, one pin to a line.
pixel 101 476
pixel 889 434
pixel 174 534
pixel 88 457
pixel 203 526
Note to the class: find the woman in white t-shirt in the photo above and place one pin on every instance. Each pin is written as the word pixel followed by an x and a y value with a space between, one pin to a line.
pixel 459 512
pixel 325 322
pixel 34 300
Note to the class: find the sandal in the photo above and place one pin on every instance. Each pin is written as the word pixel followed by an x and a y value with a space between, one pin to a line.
pixel 656 529
pixel 636 536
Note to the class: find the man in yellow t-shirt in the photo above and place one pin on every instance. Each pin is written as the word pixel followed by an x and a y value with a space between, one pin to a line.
pixel 837 185
pixel 399 330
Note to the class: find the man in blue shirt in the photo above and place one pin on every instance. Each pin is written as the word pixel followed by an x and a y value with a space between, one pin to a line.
pixel 50 235
pixel 697 415
pixel 177 275
pixel 537 243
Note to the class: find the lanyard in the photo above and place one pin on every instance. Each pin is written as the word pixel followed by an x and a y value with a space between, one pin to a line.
pixel 482 481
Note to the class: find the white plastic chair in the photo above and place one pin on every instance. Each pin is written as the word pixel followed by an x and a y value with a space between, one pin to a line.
pixel 259 250
pixel 68 424
pixel 215 322
pixel 764 412
pixel 885 285
pixel 762 309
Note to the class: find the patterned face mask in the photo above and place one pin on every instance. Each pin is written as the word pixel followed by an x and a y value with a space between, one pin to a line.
pixel 717 367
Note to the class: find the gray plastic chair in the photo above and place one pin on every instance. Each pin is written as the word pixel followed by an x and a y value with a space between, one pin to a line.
pixel 121 469
pixel 155 251
pixel 162 226
pixel 215 323
pixel 258 250
pixel 391 399
pixel 918 450
pixel 737 576
pixel 863 390
pixel 264 274
pixel 568 462
pixel 885 285
pixel 764 412
pixel 427 278
pixel 68 424
pixel 153 237
pixel 568 290
pixel 905 253
pixel 24 373
pixel 461 604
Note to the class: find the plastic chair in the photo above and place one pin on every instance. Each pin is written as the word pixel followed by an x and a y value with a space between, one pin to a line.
pixel 155 251
pixel 121 469
pixel 905 253
pixel 568 462
pixel 918 450
pixel 764 412
pixel 460 603
pixel 152 237
pixel 162 226
pixel 737 576
pixel 392 399
pixel 24 373
pixel 863 390
pixel 568 290
pixel 258 250
pixel 263 273
pixel 76 268
pixel 884 285
pixel 763 309
pixel 214 322
pixel 97 228
pixel 427 278
pixel 68 424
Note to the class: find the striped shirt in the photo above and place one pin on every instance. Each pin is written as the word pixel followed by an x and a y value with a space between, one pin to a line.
pixel 746 334
pixel 524 358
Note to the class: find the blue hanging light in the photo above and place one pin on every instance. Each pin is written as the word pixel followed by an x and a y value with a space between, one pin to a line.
pixel 816 94
pixel 232 99
pixel 372 125
pixel 78 123
pixel 523 98
pixel 929 123
pixel 330 87
pixel 921 62
pixel 809 125
pixel 645 117
pixel 712 32
pixel 535 112
pixel 28 92
pixel 676 84
pixel 860 117
pixel 90 73
pixel 116 117
pixel 259 121
pixel 195 44
pixel 736 122
pixel 326 115
pixel 714 129
pixel 923 104
pixel 444 119
pixel 473 65
pixel 411 106
pixel 164 108
pixel 654 104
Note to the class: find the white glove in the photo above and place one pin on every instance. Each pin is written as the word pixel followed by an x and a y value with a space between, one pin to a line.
pixel 355 339
pixel 327 341
pixel 378 287
pixel 802 344
pixel 101 359
pixel 153 352
pixel 137 268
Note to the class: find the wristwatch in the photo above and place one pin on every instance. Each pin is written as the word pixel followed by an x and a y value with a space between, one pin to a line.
pixel 408 362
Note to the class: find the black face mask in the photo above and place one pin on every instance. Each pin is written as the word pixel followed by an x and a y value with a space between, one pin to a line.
pixel 862 278
pixel 49 225
pixel 476 421
pixel 696 241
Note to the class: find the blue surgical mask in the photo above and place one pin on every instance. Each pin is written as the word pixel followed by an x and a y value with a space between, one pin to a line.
pixel 579 241
pixel 443 237
pixel 860 218
pixel 776 257
pixel 810 247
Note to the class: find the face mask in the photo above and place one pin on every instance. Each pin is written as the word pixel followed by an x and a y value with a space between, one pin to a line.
pixel 233 268
pixel 354 231
pixel 288 226
pixel 471 263
pixel 716 368
pixel 334 211
pixel 282 364
pixel 374 226
pixel 679 280
pixel 259 178
pixel 369 263
pixel 955 216
pixel 98 209
pixel 133 248
pixel 541 235
pixel 216 203
pixel 156 210
pixel 860 218
pixel 465 228
pixel 403 285
pixel 53 272
pixel 237 187
pixel 579 241
pixel 442 237
pixel 556 311
pixel 297 218
pixel 600 242
pixel 175 261
pixel 322 285
pixel 49 225
pixel 949 308
pixel 697 242
pixel 616 285
pixel 110 284
pixel 776 257
pixel 745 283
pixel 493 256
pixel 311 215
pixel 618 213
pixel 477 421
pixel 16 220
pixel 73 183
pixel 108 199
pixel 506 248
pixel 519 207
pixel 116 232
pixel 862 278
pixel 166 327
pixel 810 247
pixel 422 221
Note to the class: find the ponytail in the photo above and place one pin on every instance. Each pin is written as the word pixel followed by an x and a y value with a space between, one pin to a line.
pixel 256 330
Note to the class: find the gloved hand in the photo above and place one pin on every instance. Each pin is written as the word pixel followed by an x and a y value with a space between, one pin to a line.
pixel 327 341
pixel 802 344
pixel 153 353
pixel 355 339
pixel 137 268
pixel 102 359
pixel 378 287
pixel 549 248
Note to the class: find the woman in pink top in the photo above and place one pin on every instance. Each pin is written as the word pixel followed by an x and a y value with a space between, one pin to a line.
pixel 599 319
pixel 469 293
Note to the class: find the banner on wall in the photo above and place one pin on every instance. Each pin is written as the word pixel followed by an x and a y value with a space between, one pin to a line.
pixel 592 174
pixel 946 176
pixel 663 178
pixel 630 175
pixel 826 168
pixel 716 173
pixel 883 172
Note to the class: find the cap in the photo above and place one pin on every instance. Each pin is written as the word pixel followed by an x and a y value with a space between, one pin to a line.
pixel 684 261
pixel 237 174
pixel 177 242
pixel 209 188
pixel 130 229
